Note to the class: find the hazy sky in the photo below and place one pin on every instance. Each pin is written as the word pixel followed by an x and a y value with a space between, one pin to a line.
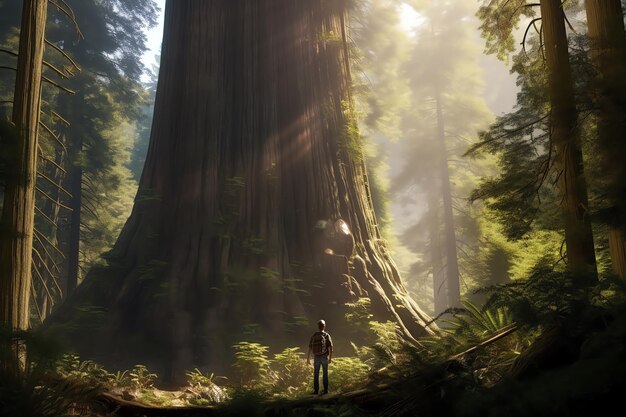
pixel 155 36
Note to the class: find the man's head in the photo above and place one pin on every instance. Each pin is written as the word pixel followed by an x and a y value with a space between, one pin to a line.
pixel 321 324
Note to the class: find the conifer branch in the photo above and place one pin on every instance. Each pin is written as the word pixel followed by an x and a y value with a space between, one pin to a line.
pixel 54 136
pixel 62 52
pixel 46 217
pixel 56 70
pixel 58 116
pixel 51 181
pixel 64 8
pixel 57 85
pixel 52 245
pixel 43 282
pixel 57 166
pixel 46 251
pixel 33 294
pixel 8 52
pixel 53 200
pixel 44 263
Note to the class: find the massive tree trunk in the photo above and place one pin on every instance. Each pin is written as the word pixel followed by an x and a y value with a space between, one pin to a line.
pixel 253 217
pixel 452 276
pixel 565 135
pixel 605 21
pixel 16 239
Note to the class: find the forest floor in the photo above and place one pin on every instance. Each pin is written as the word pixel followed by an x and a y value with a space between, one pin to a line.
pixel 120 403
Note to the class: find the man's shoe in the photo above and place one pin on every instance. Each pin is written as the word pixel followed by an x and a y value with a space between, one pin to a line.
pixel 324 393
pixel 314 393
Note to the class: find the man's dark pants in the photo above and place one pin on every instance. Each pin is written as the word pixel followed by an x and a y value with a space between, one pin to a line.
pixel 320 360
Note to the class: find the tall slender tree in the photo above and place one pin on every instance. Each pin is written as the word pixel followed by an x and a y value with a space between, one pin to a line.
pixel 452 263
pixel 565 135
pixel 447 111
pixel 605 21
pixel 440 289
pixel 16 239
pixel 564 148
pixel 253 215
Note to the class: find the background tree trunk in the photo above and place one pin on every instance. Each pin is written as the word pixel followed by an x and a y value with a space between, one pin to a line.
pixel 16 239
pixel 451 269
pixel 440 289
pixel 565 136
pixel 605 22
pixel 75 182
pixel 253 217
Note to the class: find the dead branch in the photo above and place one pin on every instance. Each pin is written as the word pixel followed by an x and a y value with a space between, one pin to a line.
pixel 53 200
pixel 57 85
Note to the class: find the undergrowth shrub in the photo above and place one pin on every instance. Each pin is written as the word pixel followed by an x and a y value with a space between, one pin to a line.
pixel 347 373
pixel 141 378
pixel 30 385
pixel 251 364
pixel 288 372
pixel 203 389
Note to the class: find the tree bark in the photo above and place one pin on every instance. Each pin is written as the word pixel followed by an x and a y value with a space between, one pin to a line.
pixel 452 276
pixel 18 212
pixel 253 217
pixel 605 22
pixel 565 136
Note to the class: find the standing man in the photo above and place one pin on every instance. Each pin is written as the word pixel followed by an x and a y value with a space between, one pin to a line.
pixel 322 347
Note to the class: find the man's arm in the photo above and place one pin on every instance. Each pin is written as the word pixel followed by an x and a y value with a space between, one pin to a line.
pixel 308 355
pixel 330 349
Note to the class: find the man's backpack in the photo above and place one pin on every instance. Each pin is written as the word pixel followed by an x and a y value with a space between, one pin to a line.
pixel 319 343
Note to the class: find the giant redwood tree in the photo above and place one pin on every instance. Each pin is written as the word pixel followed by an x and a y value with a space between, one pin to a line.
pixel 253 217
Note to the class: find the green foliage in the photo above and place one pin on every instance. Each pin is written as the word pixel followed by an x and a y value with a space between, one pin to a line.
pixel 70 366
pixel 110 191
pixel 350 137
pixel 412 88
pixel 31 387
pixel 203 389
pixel 251 363
pixel 150 397
pixel 525 188
pixel 287 375
pixel 245 402
pixel 141 378
pixel 91 132
pixel 500 19
pixel 289 372
pixel 138 378
pixel 120 379
pixel 347 373
pixel 474 323
pixel 551 297
pixel 359 312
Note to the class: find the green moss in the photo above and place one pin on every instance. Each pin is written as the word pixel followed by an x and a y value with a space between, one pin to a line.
pixel 350 138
